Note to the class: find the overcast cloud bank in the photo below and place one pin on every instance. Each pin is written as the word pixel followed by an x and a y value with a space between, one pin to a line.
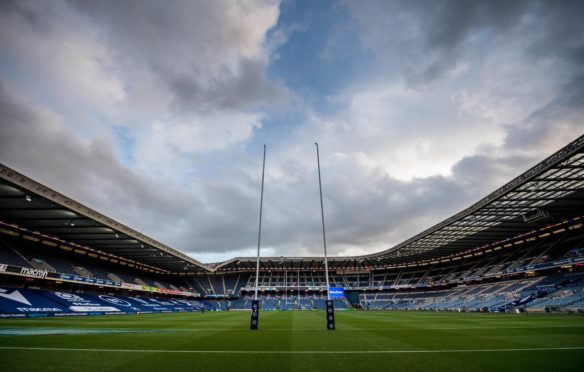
pixel 155 113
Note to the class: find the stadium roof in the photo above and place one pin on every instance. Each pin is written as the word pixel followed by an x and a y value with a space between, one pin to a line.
pixel 551 191
pixel 38 208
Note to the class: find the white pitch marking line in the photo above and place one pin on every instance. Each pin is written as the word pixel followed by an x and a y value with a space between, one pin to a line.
pixel 292 351
pixel 195 330
pixel 372 329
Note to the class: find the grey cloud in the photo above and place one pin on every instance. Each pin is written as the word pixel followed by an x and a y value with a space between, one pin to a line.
pixel 203 55
pixel 203 69
pixel 200 50
pixel 248 88
pixel 363 208
pixel 492 171
pixel 450 22
pixel 560 120
pixel 38 15
pixel 210 216
pixel 560 30
pixel 34 142
pixel 385 209
pixel 426 38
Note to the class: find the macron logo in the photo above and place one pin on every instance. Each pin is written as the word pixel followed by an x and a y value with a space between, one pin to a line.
pixel 14 296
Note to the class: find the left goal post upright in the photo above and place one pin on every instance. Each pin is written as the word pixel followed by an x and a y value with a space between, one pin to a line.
pixel 255 304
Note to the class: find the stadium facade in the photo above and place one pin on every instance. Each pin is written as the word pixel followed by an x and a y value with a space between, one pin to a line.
pixel 520 248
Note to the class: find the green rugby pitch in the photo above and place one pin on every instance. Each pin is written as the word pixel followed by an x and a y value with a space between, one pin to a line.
pixel 295 341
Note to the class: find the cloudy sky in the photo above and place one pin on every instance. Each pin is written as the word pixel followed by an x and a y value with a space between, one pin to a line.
pixel 155 112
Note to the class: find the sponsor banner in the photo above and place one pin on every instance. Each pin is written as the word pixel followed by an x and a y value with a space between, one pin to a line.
pixel 337 292
pixel 280 288
pixel 114 300
pixel 78 302
pixel 150 289
pixel 37 273
pixel 83 279
pixel 71 277
pixel 29 303
pixel 38 315
pixel 39 309
pixel 111 283
pixel 12 315
pixel 80 278
pixel 71 314
pixel 66 276
pixel 93 308
pixel 146 288
pixel 107 282
pixel 131 286
pixel 158 304
pixel 24 301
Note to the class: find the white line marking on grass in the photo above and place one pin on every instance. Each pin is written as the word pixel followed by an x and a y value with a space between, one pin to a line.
pixel 196 330
pixel 291 351
pixel 389 329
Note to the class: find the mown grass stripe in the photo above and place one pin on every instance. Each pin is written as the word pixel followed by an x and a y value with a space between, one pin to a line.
pixel 292 351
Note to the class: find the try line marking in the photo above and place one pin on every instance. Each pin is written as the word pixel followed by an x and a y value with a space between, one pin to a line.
pixel 290 351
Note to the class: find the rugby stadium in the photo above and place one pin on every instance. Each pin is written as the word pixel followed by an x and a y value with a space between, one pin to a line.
pixel 289 185
pixel 497 286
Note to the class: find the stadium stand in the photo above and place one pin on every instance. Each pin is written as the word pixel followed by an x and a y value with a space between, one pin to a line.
pixel 27 302
pixel 403 289
pixel 10 256
pixel 520 248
